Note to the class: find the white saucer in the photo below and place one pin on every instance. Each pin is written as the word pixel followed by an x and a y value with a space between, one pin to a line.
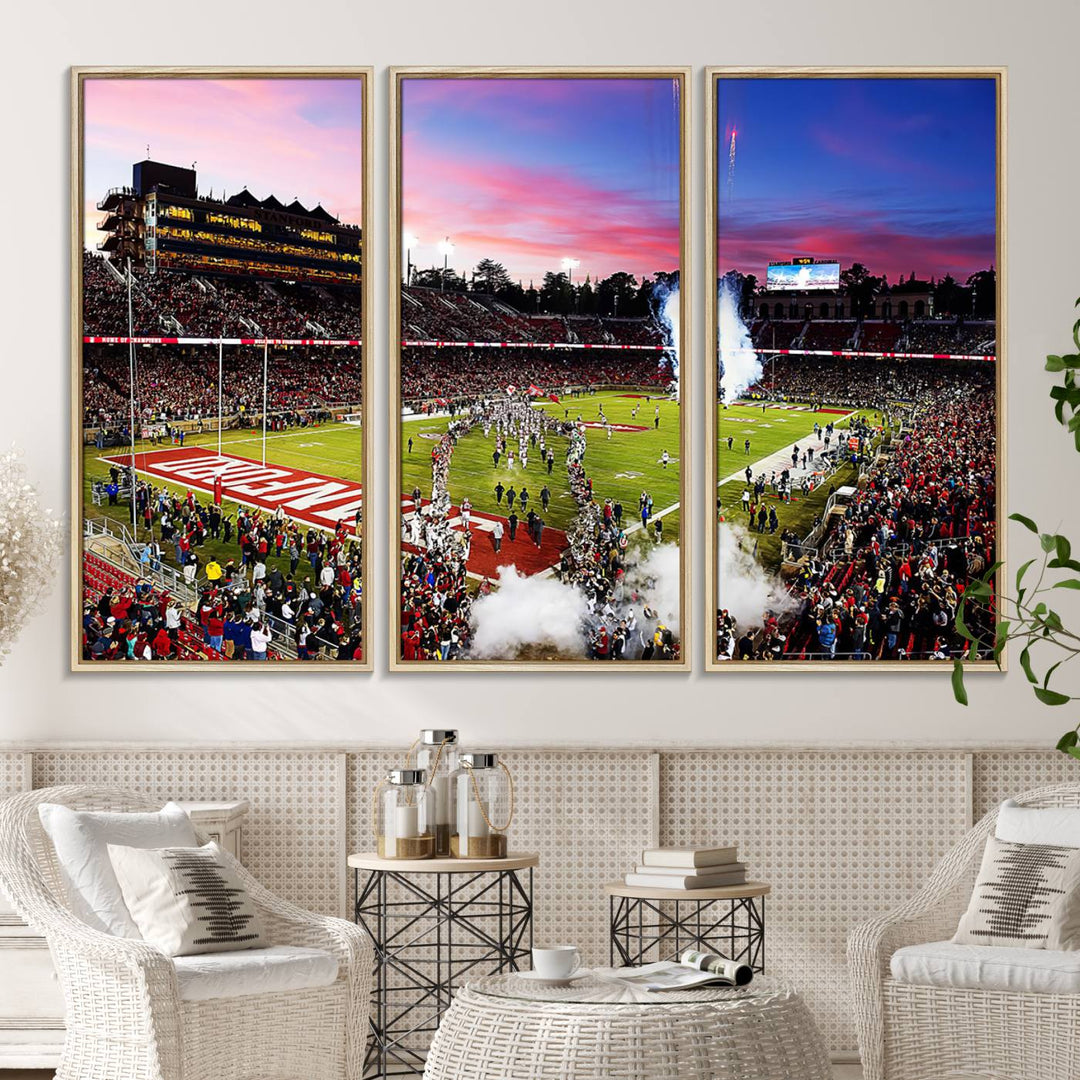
pixel 536 977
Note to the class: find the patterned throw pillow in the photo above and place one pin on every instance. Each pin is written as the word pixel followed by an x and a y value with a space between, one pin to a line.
pixel 186 900
pixel 1026 895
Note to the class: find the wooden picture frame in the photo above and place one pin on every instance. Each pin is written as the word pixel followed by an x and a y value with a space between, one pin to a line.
pixel 364 77
pixel 713 225
pixel 398 76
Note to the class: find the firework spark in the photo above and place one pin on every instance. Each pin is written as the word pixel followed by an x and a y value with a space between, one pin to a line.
pixel 731 167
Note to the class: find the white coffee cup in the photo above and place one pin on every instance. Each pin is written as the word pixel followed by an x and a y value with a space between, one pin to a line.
pixel 556 961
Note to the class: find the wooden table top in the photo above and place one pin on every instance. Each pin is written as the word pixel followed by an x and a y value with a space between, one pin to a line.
pixel 516 860
pixel 721 892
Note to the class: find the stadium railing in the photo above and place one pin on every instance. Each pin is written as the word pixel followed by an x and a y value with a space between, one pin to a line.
pixel 172 580
pixel 162 575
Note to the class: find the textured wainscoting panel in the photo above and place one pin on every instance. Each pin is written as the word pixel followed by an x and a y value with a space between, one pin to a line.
pixel 290 839
pixel 13 778
pixel 587 814
pixel 364 771
pixel 841 836
pixel 997 776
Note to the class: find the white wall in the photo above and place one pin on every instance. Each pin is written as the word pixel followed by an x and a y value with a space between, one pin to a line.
pixel 42 701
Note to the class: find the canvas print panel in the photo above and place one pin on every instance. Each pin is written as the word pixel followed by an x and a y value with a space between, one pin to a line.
pixel 221 370
pixel 857 347
pixel 540 419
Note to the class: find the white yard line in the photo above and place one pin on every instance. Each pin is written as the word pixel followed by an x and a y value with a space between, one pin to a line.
pixel 637 526
pixel 780 457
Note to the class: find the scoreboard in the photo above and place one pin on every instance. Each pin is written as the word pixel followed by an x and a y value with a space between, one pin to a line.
pixel 803 272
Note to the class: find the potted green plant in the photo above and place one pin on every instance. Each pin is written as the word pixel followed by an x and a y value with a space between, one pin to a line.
pixel 1026 615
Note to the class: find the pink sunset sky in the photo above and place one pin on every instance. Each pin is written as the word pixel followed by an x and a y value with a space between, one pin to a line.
pixel 529 171
pixel 299 138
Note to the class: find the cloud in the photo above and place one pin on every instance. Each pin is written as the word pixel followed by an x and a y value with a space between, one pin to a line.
pixel 288 137
pixel 530 216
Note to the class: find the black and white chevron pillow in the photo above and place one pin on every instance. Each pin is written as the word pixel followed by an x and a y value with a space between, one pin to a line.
pixel 1026 895
pixel 186 900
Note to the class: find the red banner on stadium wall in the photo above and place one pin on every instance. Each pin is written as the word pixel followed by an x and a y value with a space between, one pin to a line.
pixel 524 345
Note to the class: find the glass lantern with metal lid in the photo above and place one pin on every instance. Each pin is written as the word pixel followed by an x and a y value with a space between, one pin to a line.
pixel 405 809
pixel 437 753
pixel 484 792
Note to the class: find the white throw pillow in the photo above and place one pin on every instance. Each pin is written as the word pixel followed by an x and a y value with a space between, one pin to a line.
pixel 1025 896
pixel 81 838
pixel 187 900
pixel 1057 825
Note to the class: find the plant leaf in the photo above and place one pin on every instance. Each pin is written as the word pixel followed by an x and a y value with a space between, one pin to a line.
pixel 1025 521
pixel 958 689
pixel 1022 571
pixel 1025 663
pixel 1068 583
pixel 1051 697
pixel 1070 738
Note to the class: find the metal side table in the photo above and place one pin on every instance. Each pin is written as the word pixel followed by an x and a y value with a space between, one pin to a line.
pixel 433 922
pixel 658 924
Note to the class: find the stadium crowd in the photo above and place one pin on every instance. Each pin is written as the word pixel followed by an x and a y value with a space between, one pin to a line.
pixel 888 575
pixel 430 374
pixel 181 383
pixel 437 618
pixel 434 315
pixel 248 606
pixel 954 336
pixel 185 305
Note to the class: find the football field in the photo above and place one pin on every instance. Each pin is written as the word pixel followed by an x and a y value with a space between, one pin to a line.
pixel 621 467
pixel 772 431
pixel 325 451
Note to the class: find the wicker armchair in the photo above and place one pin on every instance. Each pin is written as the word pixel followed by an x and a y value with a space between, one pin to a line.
pixel 124 1016
pixel 911 1032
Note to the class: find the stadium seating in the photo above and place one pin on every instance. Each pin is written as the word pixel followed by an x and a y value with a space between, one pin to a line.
pixel 191 306
pixel 828 335
pixel 879 337
pixel 181 384
pixel 101 576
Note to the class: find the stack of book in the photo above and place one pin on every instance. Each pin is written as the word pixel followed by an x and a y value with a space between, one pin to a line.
pixel 688 868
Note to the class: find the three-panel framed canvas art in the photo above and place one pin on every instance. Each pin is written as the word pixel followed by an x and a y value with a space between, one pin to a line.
pixel 542 500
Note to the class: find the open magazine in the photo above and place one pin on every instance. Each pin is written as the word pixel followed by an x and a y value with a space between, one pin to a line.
pixel 693 969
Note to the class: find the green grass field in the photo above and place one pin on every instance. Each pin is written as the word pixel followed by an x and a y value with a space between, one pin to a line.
pixel 332 449
pixel 769 432
pixel 620 467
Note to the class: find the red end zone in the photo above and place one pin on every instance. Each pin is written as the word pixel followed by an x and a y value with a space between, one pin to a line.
pixel 321 501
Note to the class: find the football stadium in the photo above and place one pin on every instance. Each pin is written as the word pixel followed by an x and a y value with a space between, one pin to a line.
pixel 540 429
pixel 857 368
pixel 856 470
pixel 221 422
pixel 547 453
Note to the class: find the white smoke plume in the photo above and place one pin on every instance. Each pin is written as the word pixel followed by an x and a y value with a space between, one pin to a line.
pixel 744 588
pixel 739 364
pixel 668 315
pixel 523 612
pixel 656 578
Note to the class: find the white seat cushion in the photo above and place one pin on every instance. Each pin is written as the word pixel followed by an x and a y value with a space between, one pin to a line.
pixel 253 971
pixel 988 967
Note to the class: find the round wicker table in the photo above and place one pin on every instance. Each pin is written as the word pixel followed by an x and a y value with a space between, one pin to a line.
pixel 504 1027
